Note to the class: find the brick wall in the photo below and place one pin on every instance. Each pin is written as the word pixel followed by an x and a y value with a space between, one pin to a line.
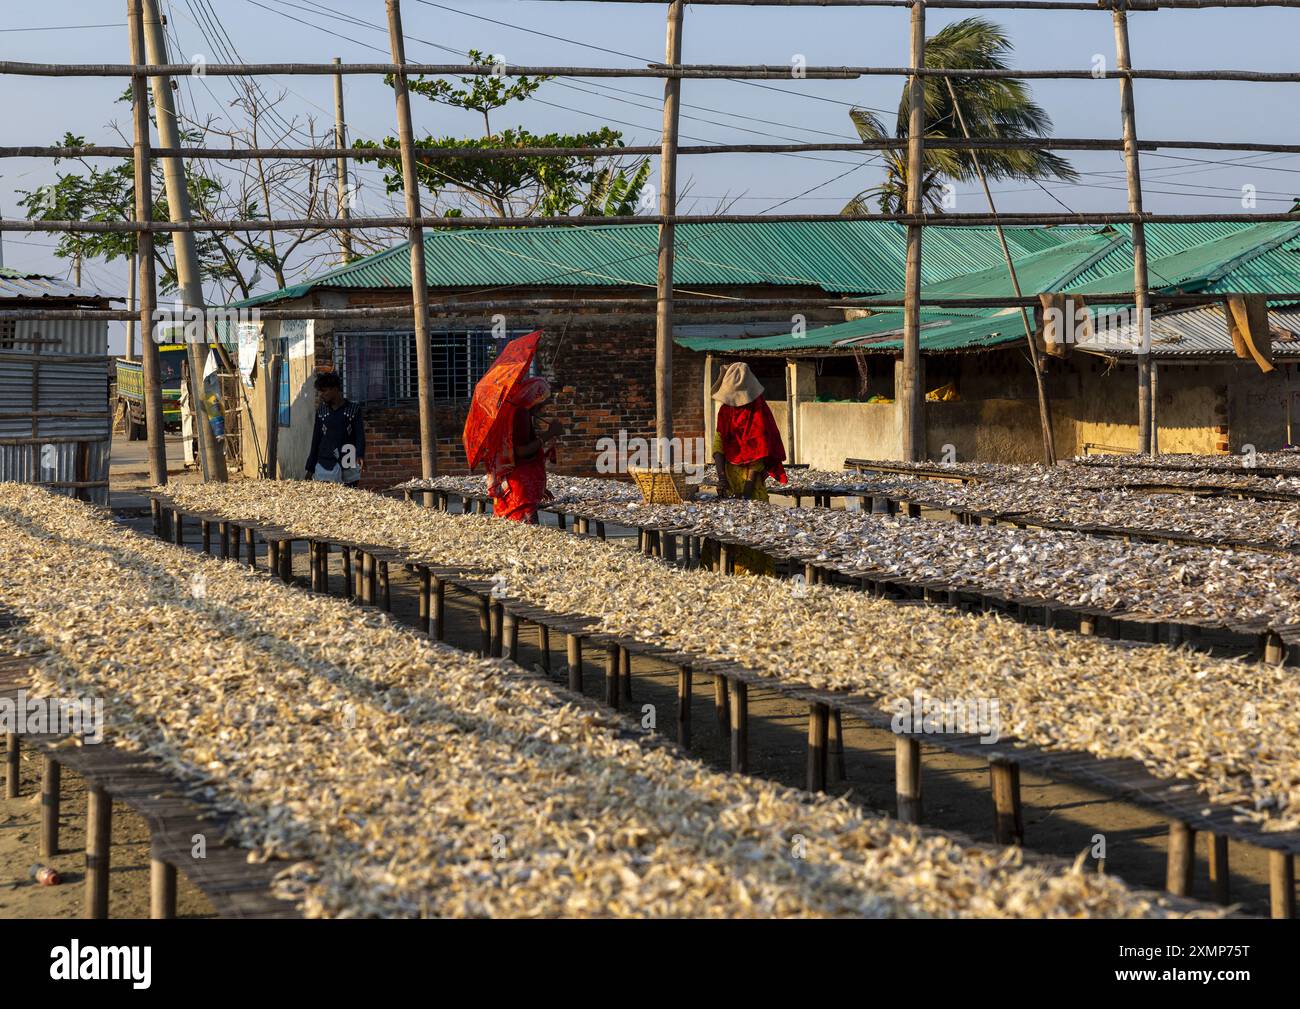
pixel 603 379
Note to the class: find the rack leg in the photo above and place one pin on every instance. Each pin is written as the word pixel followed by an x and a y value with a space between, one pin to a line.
pixel 426 599
pixel 1281 884
pixel 250 547
pixel 11 765
pixel 544 633
pixel 835 744
pixel 1004 782
pixel 907 778
pixel 510 635
pixel 162 889
pixel 574 644
pixel 1182 856
pixel 818 721
pixel 720 705
pixel 1219 871
pixel 740 727
pixel 625 670
pixel 611 676
pixel 99 834
pixel 51 778
pixel 684 706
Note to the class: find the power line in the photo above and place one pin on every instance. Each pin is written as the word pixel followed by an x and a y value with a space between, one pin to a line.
pixel 59 28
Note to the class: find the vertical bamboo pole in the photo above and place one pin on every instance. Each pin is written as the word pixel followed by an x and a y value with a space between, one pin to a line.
pixel 11 765
pixel 611 676
pixel 1044 411
pixel 1134 177
pixel 341 167
pixel 818 725
pixel 99 835
pixel 162 889
pixel 1220 891
pixel 1004 782
pixel 575 662
pixel 132 277
pixel 1281 884
pixel 740 727
pixel 419 282
pixel 50 796
pixel 1181 858
pixel 684 678
pixel 907 778
pixel 911 392
pixel 153 416
pixel 188 276
pixel 667 207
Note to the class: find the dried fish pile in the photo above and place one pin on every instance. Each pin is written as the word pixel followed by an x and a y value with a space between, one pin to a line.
pixel 1284 460
pixel 408 779
pixel 564 490
pixel 1227 726
pixel 1160 581
pixel 1081 496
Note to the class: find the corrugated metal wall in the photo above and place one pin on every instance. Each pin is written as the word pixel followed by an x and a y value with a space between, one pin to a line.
pixel 51 449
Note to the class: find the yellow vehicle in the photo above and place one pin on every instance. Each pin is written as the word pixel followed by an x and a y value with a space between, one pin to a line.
pixel 130 389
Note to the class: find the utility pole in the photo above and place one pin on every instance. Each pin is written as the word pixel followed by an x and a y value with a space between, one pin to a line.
pixel 1044 412
pixel 130 307
pixel 341 166
pixel 419 280
pixel 188 276
pixel 153 417
pixel 667 244
pixel 911 392
pixel 1133 173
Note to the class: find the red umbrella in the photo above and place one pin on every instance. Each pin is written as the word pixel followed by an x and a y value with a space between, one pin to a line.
pixel 484 427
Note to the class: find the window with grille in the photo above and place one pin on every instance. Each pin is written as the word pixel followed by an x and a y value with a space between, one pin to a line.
pixel 380 368
pixel 8 331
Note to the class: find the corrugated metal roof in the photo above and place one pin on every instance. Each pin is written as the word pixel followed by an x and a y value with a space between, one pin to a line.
pixel 1194 332
pixel 843 257
pixel 16 284
pixel 941 330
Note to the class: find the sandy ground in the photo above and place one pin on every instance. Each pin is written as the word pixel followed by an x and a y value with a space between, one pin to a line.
pixel 1060 819
pixel 22 897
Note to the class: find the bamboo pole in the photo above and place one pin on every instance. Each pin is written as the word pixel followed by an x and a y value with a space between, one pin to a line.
pixel 157 449
pixel 162 889
pixel 683 150
pixel 911 391
pixel 419 280
pixel 131 308
pixel 1132 171
pixel 51 794
pixel 99 837
pixel 667 248
pixel 1044 411
pixel 341 165
pixel 468 223
pixel 188 275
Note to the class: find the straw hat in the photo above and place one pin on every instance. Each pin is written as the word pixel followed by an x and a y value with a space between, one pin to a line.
pixel 736 386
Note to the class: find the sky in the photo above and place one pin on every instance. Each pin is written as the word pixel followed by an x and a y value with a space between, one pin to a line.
pixel 40 110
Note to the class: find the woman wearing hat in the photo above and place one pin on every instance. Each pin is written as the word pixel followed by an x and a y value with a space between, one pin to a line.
pixel 747 446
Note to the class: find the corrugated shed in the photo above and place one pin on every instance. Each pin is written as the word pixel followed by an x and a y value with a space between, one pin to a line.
pixel 1195 332
pixel 16 284
pixel 842 257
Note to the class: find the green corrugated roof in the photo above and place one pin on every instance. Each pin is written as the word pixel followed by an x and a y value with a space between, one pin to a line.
pixel 941 329
pixel 1224 257
pixel 841 257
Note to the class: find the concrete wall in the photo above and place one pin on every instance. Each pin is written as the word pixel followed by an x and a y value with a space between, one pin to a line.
pixel 831 432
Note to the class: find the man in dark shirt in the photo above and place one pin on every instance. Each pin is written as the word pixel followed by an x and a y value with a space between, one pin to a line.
pixel 338 441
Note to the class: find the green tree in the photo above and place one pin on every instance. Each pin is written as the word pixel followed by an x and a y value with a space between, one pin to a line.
pixel 992 107
pixel 509 187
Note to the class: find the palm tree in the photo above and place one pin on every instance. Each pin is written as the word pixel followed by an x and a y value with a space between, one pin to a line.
pixel 993 107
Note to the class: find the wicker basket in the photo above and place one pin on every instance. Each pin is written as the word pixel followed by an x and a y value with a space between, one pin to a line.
pixel 662 486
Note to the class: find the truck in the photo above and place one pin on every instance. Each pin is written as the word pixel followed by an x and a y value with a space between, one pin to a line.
pixel 130 390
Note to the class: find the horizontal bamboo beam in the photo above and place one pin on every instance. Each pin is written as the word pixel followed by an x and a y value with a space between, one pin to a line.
pixel 727 310
pixel 473 223
pixel 495 153
pixel 722 71
pixel 1014 5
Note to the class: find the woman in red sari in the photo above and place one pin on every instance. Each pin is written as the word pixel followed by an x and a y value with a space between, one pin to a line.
pixel 517 470
pixel 747 447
